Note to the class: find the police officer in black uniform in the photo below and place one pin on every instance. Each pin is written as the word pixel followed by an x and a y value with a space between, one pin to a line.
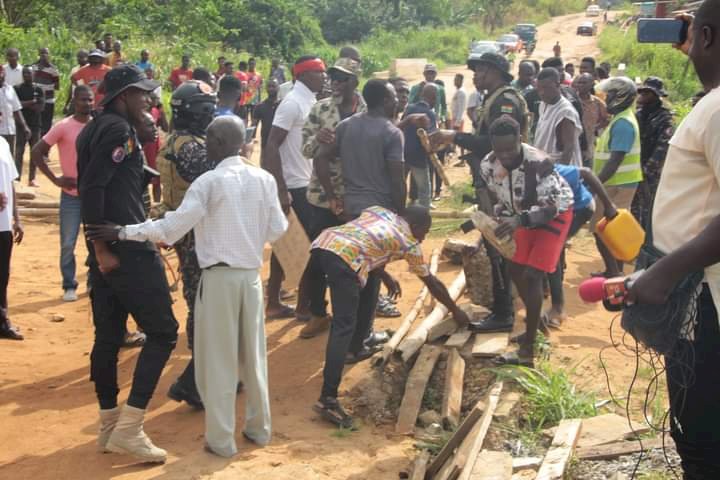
pixel 492 74
pixel 125 277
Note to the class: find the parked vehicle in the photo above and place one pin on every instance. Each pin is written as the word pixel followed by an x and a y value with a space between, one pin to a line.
pixel 587 29
pixel 479 47
pixel 593 11
pixel 526 31
pixel 510 42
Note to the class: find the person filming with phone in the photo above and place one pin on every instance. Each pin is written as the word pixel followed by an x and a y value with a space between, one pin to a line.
pixel 686 228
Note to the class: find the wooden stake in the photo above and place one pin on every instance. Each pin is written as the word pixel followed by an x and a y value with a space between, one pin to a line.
pixel 561 449
pixel 391 345
pixel 420 465
pixel 412 343
pixel 493 399
pixel 415 389
pixel 452 398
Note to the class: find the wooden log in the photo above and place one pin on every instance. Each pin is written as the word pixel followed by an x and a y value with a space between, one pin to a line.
pixel 492 466
pixel 477 442
pixel 456 440
pixel 37 204
pixel 400 333
pixel 488 345
pixel 412 343
pixel 420 466
pixel 24 194
pixel 425 142
pixel 452 397
pixel 38 212
pixel 487 226
pixel 458 339
pixel 415 389
pixel 447 326
pixel 561 450
pixel 614 450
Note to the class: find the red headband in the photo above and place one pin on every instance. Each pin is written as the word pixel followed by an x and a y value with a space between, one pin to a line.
pixel 312 65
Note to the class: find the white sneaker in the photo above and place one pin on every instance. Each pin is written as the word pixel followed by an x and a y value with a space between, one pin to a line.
pixel 70 295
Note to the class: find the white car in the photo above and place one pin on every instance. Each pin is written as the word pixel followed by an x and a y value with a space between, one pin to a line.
pixel 593 11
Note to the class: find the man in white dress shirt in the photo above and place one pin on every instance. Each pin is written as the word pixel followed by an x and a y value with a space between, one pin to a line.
pixel 234 210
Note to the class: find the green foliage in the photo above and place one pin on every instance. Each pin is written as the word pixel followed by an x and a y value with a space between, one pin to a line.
pixel 644 59
pixel 550 396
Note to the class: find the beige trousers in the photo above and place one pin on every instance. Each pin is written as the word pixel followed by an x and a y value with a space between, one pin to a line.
pixel 230 344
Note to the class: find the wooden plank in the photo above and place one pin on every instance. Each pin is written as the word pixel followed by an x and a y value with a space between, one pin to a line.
pixel 412 343
pixel 492 466
pixel 458 339
pixel 490 344
pixel 608 428
pixel 415 388
pixel 507 404
pixel 612 451
pixel 466 426
pixel 561 450
pixel 292 251
pixel 525 463
pixel 446 327
pixel 400 333
pixel 452 398
pixel 420 466
pixel 468 461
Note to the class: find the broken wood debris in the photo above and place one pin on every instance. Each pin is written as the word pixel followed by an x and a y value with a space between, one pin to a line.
pixel 415 388
pixel 561 450
pixel 452 397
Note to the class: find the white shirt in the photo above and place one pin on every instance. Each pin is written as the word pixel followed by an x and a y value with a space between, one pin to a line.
pixel 550 116
pixel 8 173
pixel 234 210
pixel 13 76
pixel 688 197
pixel 284 89
pixel 9 104
pixel 474 101
pixel 290 116
pixel 457 107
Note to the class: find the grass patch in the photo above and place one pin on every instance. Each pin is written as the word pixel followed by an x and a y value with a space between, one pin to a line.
pixel 656 476
pixel 442 227
pixel 341 432
pixel 434 444
pixel 550 396
pixel 454 200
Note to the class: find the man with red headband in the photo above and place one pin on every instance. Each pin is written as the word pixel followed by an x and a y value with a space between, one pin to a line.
pixel 292 170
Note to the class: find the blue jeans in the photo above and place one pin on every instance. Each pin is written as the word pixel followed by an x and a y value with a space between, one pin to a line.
pixel 69 229
pixel 421 177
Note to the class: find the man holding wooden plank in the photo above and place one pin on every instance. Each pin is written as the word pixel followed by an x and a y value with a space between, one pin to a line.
pixel 347 254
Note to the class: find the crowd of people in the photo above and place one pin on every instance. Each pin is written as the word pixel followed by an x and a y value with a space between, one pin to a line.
pixel 548 152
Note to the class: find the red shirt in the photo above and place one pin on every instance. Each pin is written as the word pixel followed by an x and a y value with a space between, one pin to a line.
pixel 92 76
pixel 180 75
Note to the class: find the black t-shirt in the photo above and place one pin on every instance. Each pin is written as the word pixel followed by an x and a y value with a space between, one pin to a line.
pixel 265 113
pixel 27 92
pixel 111 178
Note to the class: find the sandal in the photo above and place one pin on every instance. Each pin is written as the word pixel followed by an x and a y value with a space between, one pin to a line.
pixel 134 339
pixel 286 311
pixel 513 358
pixel 329 409
pixel 386 308
pixel 365 353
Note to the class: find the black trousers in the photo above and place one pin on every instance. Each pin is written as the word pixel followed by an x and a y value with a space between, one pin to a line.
pixel 46 118
pixel 6 245
pixel 21 141
pixel 139 287
pixel 502 288
pixel 693 379
pixel 322 218
pixel 353 314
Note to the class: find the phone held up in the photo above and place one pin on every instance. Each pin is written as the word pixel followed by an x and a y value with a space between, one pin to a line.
pixel 661 30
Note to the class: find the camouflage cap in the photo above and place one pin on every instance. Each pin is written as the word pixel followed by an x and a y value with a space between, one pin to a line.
pixel 346 65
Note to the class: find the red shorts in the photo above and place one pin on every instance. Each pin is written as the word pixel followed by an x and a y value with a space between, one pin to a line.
pixel 541 247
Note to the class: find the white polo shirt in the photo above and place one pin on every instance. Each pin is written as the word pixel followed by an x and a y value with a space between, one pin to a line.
pixel 290 116
pixel 8 173
pixel 13 76
pixel 9 104
pixel 688 197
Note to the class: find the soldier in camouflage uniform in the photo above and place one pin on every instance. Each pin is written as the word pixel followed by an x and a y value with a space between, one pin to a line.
pixel 656 129
pixel 492 73
pixel 319 128
pixel 181 161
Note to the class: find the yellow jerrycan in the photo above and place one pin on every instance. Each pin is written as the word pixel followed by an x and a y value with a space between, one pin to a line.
pixel 622 234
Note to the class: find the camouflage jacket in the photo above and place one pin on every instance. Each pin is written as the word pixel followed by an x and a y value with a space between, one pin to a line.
pixel 656 129
pixel 324 114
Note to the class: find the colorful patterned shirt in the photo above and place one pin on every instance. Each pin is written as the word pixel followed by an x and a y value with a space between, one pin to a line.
pixel 325 114
pixel 376 238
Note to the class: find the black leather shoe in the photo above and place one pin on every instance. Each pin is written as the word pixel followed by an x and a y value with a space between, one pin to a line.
pixel 180 393
pixel 10 332
pixel 376 338
pixel 492 323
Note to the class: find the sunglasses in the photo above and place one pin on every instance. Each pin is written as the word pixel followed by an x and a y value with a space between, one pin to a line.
pixel 339 77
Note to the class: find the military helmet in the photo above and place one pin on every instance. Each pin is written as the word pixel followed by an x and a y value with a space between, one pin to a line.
pixel 193 97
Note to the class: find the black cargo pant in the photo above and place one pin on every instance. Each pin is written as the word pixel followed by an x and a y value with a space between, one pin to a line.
pixel 322 218
pixel 6 246
pixel 138 287
pixel 693 379
pixel 21 141
pixel 353 314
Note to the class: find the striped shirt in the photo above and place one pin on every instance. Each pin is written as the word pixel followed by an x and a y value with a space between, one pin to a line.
pixel 376 238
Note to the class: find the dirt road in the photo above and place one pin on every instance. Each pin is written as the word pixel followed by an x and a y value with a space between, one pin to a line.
pixel 48 410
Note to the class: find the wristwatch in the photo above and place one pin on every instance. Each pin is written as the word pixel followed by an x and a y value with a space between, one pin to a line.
pixel 122 234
